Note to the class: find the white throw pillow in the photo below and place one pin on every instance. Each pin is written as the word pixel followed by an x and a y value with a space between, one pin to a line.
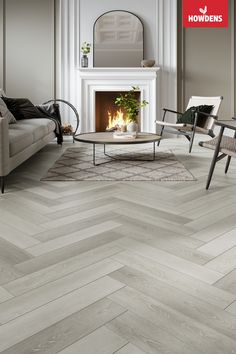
pixel 5 113
pixel 2 93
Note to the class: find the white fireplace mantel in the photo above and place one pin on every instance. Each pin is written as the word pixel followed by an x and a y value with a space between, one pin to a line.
pixel 118 79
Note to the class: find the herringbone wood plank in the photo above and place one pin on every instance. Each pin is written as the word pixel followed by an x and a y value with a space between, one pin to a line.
pixel 118 267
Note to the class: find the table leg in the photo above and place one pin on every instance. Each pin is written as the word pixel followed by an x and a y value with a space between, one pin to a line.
pixel 113 158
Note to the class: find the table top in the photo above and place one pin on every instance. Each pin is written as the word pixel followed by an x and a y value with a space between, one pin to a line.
pixel 231 123
pixel 107 138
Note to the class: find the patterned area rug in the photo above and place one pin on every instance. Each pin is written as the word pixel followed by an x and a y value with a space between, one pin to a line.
pixel 76 165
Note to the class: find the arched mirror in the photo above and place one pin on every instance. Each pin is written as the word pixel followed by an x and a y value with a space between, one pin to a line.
pixel 118 40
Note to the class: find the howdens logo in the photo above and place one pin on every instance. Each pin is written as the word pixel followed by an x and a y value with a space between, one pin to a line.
pixel 206 18
pixel 207 13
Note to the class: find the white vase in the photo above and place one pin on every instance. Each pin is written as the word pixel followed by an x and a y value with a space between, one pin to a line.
pixel 132 127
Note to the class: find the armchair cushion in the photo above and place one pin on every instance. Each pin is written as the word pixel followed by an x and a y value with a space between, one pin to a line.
pixel 188 116
pixel 227 145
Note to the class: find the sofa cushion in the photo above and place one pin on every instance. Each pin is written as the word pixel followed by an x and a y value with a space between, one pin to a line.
pixel 19 140
pixel 5 113
pixel 27 132
pixel 39 127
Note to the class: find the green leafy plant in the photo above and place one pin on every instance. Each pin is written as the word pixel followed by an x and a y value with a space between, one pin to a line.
pixel 130 103
pixel 85 49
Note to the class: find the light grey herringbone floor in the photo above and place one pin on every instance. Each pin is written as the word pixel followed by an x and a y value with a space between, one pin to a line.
pixel 118 267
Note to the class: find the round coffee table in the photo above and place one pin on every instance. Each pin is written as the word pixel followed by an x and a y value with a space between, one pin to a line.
pixel 107 138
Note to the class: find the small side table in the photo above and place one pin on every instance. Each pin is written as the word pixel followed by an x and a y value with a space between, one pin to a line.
pixel 106 138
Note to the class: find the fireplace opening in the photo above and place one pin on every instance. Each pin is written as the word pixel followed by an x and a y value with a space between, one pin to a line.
pixel 109 116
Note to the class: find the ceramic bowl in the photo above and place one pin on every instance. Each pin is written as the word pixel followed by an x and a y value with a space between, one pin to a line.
pixel 147 63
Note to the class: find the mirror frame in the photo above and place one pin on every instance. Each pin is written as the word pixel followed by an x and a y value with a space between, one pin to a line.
pixel 107 12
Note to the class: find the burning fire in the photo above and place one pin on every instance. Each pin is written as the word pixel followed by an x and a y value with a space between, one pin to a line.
pixel 117 121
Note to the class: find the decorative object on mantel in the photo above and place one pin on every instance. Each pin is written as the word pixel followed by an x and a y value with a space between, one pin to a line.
pixel 85 49
pixel 147 63
pixel 131 105
pixel 76 165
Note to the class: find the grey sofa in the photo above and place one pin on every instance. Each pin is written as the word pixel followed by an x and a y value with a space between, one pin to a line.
pixel 20 141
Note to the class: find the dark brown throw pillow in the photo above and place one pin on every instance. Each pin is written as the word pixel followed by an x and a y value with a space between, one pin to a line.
pixel 189 115
pixel 202 117
pixel 22 108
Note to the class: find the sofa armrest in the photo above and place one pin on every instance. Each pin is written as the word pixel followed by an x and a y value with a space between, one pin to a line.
pixel 4 147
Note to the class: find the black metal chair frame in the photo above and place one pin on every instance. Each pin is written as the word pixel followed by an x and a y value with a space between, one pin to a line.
pixel 189 135
pixel 217 156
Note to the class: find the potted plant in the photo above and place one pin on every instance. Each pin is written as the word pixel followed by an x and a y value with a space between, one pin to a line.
pixel 131 105
pixel 85 49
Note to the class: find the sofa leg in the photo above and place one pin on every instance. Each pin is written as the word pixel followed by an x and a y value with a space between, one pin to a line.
pixel 2 184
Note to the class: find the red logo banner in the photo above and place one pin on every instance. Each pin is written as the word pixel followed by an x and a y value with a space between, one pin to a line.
pixel 205 13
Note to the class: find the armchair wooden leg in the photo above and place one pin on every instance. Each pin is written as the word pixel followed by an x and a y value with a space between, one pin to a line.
pixel 213 163
pixel 193 133
pixel 161 133
pixel 2 184
pixel 214 159
pixel 162 128
pixel 191 142
pixel 227 164
pixel 229 158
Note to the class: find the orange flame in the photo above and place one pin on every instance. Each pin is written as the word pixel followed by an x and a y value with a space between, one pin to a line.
pixel 117 120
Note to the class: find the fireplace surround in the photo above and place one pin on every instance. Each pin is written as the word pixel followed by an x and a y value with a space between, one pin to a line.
pixel 94 80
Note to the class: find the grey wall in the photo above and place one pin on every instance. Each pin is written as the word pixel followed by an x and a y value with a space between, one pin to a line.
pixel 234 40
pixel 1 44
pixel 90 10
pixel 208 64
pixel 29 52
